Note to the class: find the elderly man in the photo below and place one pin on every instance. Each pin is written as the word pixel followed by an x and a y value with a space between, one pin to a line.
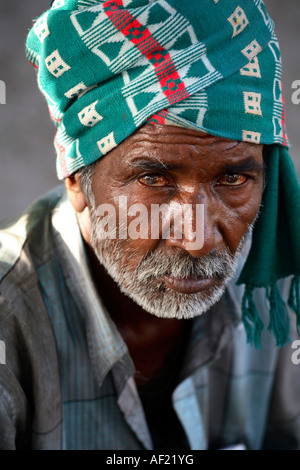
pixel 120 334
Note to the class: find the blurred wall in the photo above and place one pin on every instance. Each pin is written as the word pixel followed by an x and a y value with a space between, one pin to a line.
pixel 27 155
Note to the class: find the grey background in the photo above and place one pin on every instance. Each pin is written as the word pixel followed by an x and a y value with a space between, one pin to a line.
pixel 27 167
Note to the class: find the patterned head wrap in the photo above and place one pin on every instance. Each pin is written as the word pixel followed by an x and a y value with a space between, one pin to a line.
pixel 107 67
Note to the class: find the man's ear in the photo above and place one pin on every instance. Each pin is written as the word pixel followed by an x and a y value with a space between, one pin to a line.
pixel 75 193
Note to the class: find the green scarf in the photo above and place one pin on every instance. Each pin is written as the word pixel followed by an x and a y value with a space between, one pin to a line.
pixel 107 67
pixel 275 249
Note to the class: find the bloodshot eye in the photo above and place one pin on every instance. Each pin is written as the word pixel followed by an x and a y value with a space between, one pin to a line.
pixel 233 180
pixel 156 181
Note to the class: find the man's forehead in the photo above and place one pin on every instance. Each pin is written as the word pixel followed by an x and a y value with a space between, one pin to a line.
pixel 162 134
pixel 171 144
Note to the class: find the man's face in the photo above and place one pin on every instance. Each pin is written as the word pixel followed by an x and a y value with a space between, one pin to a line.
pixel 169 277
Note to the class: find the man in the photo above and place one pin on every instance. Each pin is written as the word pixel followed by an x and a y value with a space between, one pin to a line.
pixel 123 333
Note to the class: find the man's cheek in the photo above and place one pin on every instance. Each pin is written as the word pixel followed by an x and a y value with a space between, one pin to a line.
pixel 235 226
pixel 247 207
pixel 135 251
pixel 250 211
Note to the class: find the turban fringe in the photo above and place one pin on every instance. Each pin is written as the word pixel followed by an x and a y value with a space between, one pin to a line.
pixel 107 67
pixel 275 250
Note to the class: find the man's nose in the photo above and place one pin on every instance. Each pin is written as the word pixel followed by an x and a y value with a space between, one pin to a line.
pixel 200 232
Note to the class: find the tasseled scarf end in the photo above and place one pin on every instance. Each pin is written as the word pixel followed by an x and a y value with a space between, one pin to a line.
pixel 294 299
pixel 252 322
pixel 279 323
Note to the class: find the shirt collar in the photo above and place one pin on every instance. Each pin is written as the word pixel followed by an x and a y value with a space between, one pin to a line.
pixel 106 346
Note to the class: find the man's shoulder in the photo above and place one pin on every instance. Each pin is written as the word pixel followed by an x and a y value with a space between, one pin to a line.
pixel 16 232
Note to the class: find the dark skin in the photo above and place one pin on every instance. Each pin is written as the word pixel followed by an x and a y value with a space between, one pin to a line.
pixel 161 164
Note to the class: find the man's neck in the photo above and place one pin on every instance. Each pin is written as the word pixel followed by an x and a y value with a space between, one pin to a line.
pixel 151 340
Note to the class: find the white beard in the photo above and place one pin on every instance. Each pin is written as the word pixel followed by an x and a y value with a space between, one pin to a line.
pixel 142 286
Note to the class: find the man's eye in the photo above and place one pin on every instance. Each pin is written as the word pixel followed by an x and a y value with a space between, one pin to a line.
pixel 154 180
pixel 233 180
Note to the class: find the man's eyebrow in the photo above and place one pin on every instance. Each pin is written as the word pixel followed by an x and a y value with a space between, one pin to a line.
pixel 249 164
pixel 146 164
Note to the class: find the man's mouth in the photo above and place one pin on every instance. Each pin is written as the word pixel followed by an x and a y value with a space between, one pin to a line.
pixel 190 285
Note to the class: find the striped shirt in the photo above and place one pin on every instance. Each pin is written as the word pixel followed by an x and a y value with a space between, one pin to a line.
pixel 67 381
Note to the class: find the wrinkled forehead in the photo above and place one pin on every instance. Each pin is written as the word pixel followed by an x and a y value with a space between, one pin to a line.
pixel 155 147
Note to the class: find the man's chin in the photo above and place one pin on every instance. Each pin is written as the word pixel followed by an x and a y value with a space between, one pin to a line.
pixel 168 303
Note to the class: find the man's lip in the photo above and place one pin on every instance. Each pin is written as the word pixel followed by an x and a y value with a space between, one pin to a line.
pixel 188 285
